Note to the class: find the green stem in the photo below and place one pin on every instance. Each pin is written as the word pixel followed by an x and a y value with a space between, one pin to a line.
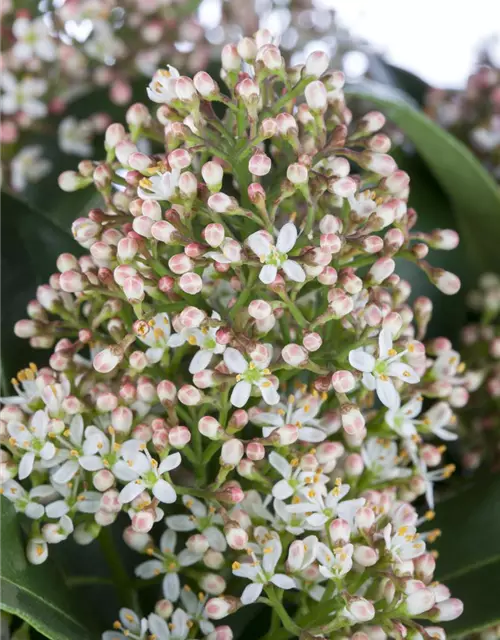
pixel 277 605
pixel 119 576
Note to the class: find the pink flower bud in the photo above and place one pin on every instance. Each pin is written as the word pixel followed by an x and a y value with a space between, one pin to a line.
pixel 143 521
pixel 353 421
pixel 237 538
pixel 217 608
pixel 448 283
pixel 107 359
pixel 328 276
pixel 364 518
pixel 230 58
pixel 124 150
pixel 312 341
pixel 191 283
pixel 339 531
pixel 393 322
pixel 133 288
pixel 164 608
pixel 185 89
pixel 294 355
pixel 397 181
pixel 365 556
pixel 127 248
pixel 247 49
pixel 197 543
pixel 192 317
pixel 180 263
pixel 268 128
pixel 121 419
pixel 380 163
pixel 115 133
pixel 188 185
pixel 103 480
pixel 26 328
pixel 286 124
pixel 316 64
pixel 445 239
pixel 343 187
pixel 220 202
pixel 248 90
pixel 230 493
pixel 179 437
pixel 259 309
pixel 137 115
pixel 232 452
pixel 67 262
pixel 259 164
pixel 189 395
pixel 205 84
pixel 343 381
pixel 297 174
pixel 419 601
pixel 214 585
pixel 179 159
pixel 382 269
pixel 425 566
pixel 316 96
pixel 360 610
pixel 379 143
pixel 71 181
pixel 210 428
pixel 137 541
pixel 255 451
pixel 340 303
pixel 372 122
pixel 271 57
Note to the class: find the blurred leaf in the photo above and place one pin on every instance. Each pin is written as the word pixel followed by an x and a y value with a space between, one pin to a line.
pixel 381 71
pixel 30 246
pixel 36 594
pixel 474 195
pixel 469 553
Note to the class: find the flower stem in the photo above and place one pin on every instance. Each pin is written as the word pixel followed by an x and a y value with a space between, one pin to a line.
pixel 119 576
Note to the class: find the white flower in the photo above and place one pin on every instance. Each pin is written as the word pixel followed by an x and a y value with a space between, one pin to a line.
pixel 32 440
pixel 404 543
pixel 202 520
pixel 22 500
pixel 437 418
pixel 28 166
pixel 430 477
pixel 377 372
pixel 75 136
pixel 334 563
pixel 261 574
pixel 177 629
pixel 162 86
pixel 131 624
pixel 299 410
pixel 320 508
pixel 25 386
pixel 33 40
pixel 160 186
pixel 195 610
pixel 381 458
pixel 69 456
pixel 294 480
pixel 250 374
pixel 98 450
pixel 402 419
pixel 301 554
pixel 143 473
pixel 167 563
pixel 157 337
pixel 103 45
pixel 275 257
pixel 23 95
pixel 205 339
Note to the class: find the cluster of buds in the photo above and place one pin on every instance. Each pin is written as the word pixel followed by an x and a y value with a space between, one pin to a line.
pixel 479 421
pixel 236 361
pixel 473 115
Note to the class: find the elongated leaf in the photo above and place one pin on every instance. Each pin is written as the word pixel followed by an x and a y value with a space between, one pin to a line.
pixel 469 553
pixel 36 594
pixel 472 191
pixel 30 246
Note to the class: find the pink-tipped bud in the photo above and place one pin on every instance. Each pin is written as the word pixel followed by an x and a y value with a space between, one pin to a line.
pixel 217 608
pixel 297 174
pixel 143 521
pixel 255 451
pixel 115 133
pixel 316 64
pixel 189 395
pixel 205 84
pixel 237 538
pixel 179 437
pixel 107 359
pixel 360 610
pixel 294 355
pixel 232 452
pixel 316 96
pixel 353 421
pixel 210 428
pixel 448 283
pixel 259 164
pixel 191 283
pixel 343 381
pixel 312 341
pixel 213 234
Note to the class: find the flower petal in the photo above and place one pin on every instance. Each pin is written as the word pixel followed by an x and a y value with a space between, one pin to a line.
pixel 287 237
pixel 235 361
pixel 362 361
pixel 240 393
pixel 268 273
pixel 294 271
pixel 164 492
pixel 251 593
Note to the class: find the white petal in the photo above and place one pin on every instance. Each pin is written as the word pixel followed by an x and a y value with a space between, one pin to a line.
pixel 164 492
pixel 200 361
pixel 369 381
pixel 268 273
pixel 294 271
pixel 387 393
pixel 259 244
pixel 282 490
pixel 269 393
pixel 216 538
pixel 149 569
pixel 171 462
pixel 235 361
pixel 131 491
pixel 171 587
pixel 310 434
pixel 66 472
pixel 251 593
pixel 34 511
pixel 57 509
pixel 168 541
pixel 180 523
pixel 384 343
pixel 362 361
pixel 404 372
pixel 280 464
pixel 283 582
pixel 187 558
pixel 287 237
pixel 91 463
pixel 240 393
pixel 48 451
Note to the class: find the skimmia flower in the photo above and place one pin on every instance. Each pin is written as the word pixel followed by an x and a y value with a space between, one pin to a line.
pixel 250 374
pixel 275 257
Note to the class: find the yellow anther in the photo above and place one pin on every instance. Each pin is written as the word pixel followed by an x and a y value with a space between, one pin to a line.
pixel 392 352
pixel 429 515
pixel 235 566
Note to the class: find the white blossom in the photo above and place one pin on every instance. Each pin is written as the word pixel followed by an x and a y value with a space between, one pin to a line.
pixel 276 257
pixel 250 374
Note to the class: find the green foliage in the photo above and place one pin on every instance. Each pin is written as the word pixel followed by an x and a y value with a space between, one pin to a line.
pixel 469 553
pixel 37 595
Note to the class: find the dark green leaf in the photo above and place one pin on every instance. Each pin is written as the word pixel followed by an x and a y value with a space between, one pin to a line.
pixel 474 195
pixel 469 553
pixel 30 246
pixel 36 594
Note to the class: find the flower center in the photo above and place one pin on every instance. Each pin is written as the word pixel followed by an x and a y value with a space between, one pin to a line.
pixel 276 258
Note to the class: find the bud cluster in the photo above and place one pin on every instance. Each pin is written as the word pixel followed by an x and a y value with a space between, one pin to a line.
pixel 236 361
pixel 473 115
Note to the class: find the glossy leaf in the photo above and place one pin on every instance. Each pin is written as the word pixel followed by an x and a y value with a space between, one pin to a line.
pixel 36 594
pixel 474 195
pixel 469 553
pixel 30 246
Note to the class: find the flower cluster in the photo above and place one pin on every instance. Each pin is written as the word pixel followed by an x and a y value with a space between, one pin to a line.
pixel 479 421
pixel 473 115
pixel 237 363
